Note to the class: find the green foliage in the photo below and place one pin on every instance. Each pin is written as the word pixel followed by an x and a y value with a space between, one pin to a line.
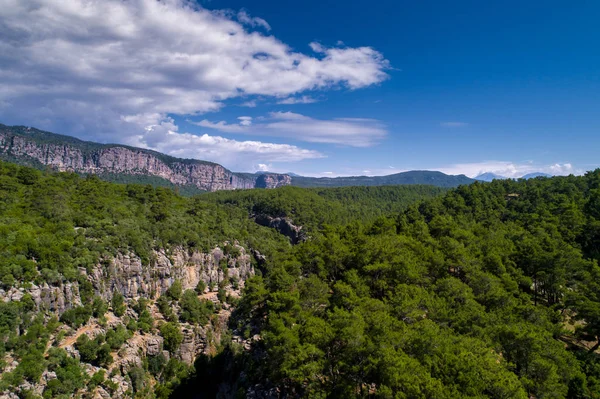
pixel 145 321
pixel 464 295
pixel 404 178
pixel 175 290
pixel 118 304
pixel 99 307
pixel 193 310
pixel 76 317
pixel 70 377
pixel 172 336
pixel 137 376
pixel 94 351
pixel 222 295
pixel 201 287
pixel 314 208
pixel 164 306
pixel 116 338
pixel 64 222
pixel 97 379
pixel 156 364
pixel 459 296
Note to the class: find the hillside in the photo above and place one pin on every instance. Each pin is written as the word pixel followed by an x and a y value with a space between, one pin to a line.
pixel 488 176
pixel 113 289
pixel 119 163
pixel 488 290
pixel 422 177
pixel 123 164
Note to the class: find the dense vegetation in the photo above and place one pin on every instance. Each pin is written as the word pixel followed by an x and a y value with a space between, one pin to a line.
pixel 315 208
pixel 54 227
pixel 487 290
pixel 90 150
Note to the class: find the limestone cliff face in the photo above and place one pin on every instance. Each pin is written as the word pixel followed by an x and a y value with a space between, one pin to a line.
pixel 127 275
pixel 68 154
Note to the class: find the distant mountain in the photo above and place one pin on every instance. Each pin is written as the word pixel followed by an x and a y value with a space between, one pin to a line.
pixel 123 164
pixel 535 174
pixel 264 172
pixel 413 177
pixel 489 177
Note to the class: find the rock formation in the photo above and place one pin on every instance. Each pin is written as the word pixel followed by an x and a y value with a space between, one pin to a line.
pixel 65 153
pixel 283 226
pixel 126 274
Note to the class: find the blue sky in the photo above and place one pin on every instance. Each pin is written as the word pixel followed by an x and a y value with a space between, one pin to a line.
pixel 468 87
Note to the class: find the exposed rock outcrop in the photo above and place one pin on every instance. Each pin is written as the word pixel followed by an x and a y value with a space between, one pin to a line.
pixel 69 154
pixel 126 274
pixel 284 226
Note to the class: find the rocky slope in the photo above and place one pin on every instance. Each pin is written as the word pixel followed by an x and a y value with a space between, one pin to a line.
pixel 35 147
pixel 126 275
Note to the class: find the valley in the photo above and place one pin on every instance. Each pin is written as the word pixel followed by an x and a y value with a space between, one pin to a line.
pixel 114 290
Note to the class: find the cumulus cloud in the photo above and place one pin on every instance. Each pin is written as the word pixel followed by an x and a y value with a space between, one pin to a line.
pixel 355 132
pixel 263 167
pixel 164 136
pixel 105 69
pixel 298 100
pixel 246 19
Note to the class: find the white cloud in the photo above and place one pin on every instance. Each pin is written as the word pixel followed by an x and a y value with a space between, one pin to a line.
pixel 298 100
pixel 245 120
pixel 246 19
pixel 163 136
pixel 106 70
pixel 355 132
pixel 263 167
pixel 502 168
pixel 509 169
pixel 454 124
pixel 249 104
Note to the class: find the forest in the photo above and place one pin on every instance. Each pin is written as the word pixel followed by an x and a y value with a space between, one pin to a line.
pixel 488 290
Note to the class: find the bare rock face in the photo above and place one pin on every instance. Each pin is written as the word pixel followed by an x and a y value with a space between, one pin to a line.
pixel 67 154
pixel 269 180
pixel 193 343
pixel 53 298
pixel 154 345
pixel 284 226
pixel 125 273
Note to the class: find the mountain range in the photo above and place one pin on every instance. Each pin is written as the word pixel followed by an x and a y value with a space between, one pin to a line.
pixel 125 164
pixel 489 176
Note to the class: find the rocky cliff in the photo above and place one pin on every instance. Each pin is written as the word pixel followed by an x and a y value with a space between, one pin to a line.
pixel 126 275
pixel 32 146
